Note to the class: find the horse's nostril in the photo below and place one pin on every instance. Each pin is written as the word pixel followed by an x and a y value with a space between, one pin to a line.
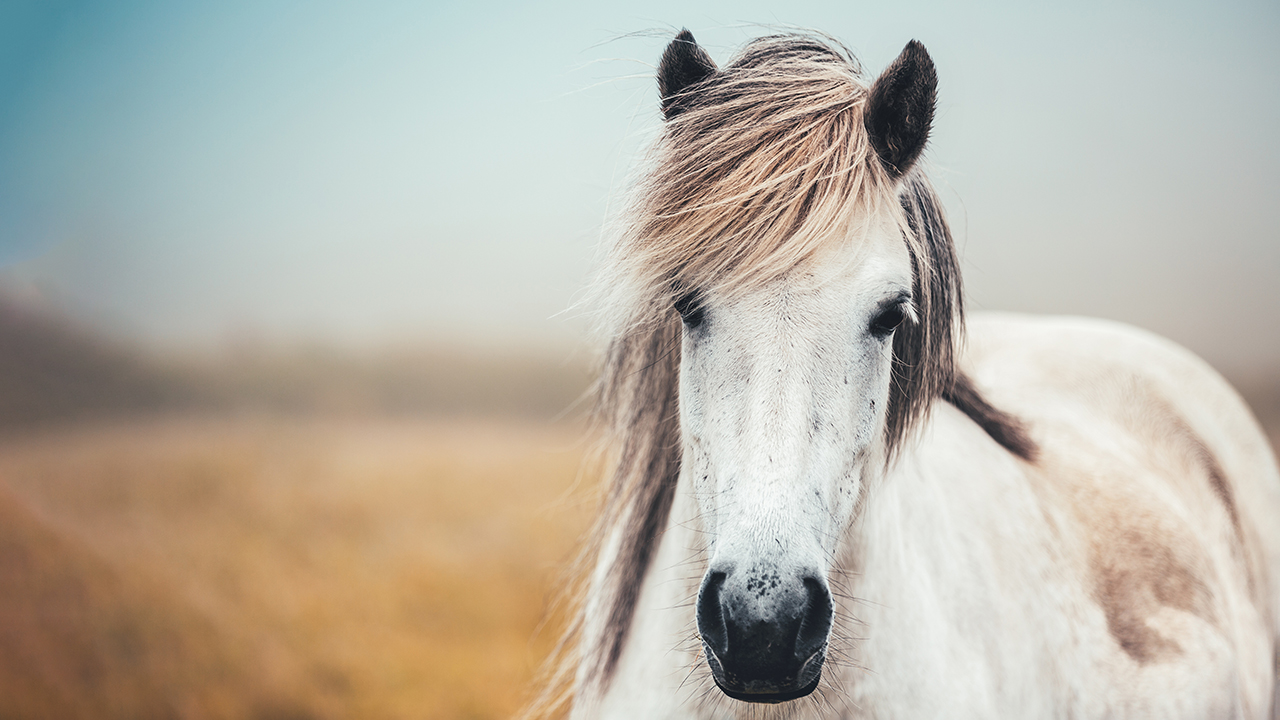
pixel 816 623
pixel 764 632
pixel 711 623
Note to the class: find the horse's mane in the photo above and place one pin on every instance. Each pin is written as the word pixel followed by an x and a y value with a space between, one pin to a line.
pixel 757 169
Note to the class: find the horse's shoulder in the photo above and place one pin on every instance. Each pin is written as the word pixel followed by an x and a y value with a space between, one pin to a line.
pixel 1041 364
pixel 1152 455
pixel 1075 345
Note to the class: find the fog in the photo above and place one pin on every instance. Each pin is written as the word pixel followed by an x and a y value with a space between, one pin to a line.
pixel 185 175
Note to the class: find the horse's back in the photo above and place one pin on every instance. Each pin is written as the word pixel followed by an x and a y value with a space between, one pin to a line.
pixel 1155 468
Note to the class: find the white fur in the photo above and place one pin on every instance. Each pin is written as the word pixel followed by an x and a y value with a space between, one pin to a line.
pixel 962 575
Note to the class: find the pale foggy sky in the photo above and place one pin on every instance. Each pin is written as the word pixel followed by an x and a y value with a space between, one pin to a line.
pixel 426 173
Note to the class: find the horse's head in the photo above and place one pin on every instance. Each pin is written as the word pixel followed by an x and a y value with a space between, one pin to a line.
pixel 805 339
pixel 783 397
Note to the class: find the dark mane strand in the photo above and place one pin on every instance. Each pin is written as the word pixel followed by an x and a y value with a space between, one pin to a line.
pixel 1005 429
pixel 924 351
pixel 643 369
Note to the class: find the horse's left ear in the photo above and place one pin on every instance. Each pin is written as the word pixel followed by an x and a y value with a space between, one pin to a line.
pixel 684 64
pixel 900 109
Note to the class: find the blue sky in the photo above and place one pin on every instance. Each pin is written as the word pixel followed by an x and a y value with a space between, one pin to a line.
pixel 425 173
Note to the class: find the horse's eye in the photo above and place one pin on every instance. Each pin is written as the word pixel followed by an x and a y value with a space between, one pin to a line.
pixel 887 321
pixel 689 306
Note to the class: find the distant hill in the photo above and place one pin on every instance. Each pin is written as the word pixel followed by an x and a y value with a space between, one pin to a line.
pixel 53 370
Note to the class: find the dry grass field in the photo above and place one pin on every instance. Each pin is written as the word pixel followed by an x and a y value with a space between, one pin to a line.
pixel 278 569
pixel 282 569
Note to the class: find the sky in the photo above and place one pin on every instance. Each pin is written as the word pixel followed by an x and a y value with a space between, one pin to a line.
pixel 429 173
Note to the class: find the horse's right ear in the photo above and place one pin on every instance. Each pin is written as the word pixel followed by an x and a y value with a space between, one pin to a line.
pixel 683 65
pixel 899 110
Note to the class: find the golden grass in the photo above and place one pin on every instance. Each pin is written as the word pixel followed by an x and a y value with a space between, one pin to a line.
pixel 364 568
pixel 283 570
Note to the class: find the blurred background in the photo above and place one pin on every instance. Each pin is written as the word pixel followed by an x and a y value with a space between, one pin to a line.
pixel 290 354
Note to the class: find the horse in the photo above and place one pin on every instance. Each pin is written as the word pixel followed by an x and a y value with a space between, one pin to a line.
pixel 831 497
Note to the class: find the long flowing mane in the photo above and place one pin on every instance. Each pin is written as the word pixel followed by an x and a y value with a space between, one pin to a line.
pixel 758 168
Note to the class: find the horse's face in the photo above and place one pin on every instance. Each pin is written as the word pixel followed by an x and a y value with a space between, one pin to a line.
pixel 784 385
pixel 783 392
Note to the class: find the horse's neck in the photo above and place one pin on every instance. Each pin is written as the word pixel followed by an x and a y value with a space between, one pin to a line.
pixel 938 497
pixel 944 559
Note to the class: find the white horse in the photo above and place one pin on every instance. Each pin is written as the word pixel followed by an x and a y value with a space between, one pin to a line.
pixel 815 508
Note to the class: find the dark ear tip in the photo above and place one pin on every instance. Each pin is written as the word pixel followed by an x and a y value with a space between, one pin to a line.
pixel 683 65
pixel 900 108
pixel 915 55
pixel 682 45
pixel 682 49
pixel 917 52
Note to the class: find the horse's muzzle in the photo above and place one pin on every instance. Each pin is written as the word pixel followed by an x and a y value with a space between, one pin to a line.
pixel 765 637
